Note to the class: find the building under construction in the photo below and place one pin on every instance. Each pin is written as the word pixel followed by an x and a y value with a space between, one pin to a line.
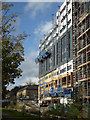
pixel 81 50
pixel 47 64
pixel 55 58
pixel 64 55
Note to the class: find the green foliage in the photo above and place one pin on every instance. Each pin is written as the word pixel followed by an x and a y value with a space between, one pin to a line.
pixel 12 47
pixel 73 111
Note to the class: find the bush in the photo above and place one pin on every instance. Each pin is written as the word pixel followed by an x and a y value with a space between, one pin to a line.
pixel 69 112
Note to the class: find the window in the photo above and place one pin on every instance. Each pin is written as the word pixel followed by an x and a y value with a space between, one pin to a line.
pixel 54 56
pixel 51 84
pixel 69 11
pixel 68 80
pixel 57 17
pixel 46 64
pixel 69 21
pixel 55 74
pixel 63 49
pixel 46 86
pixel 69 44
pixel 41 80
pixel 49 43
pixel 49 76
pixel 59 82
pixel 42 68
pixel 63 18
pixel 68 2
pixel 49 63
pixel 62 9
pixel 63 70
pixel 57 55
pixel 63 81
pixel 46 78
pixel 69 67
pixel 56 83
pixel 63 28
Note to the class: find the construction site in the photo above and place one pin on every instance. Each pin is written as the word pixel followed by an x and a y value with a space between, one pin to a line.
pixel 64 56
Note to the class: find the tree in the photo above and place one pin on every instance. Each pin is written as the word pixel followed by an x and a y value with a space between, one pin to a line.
pixel 30 83
pixel 12 47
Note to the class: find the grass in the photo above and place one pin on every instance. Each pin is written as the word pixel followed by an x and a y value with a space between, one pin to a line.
pixel 15 106
pixel 19 115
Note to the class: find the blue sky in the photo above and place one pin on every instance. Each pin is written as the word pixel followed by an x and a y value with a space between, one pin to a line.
pixel 36 21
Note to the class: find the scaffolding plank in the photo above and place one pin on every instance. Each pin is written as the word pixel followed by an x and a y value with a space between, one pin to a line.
pixel 83 33
pixel 86 96
pixel 83 64
pixel 75 70
pixel 83 48
pixel 84 79
pixel 83 17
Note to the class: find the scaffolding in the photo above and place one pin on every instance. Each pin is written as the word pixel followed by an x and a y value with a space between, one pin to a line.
pixel 81 49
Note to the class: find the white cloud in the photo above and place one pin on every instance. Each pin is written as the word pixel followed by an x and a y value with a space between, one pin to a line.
pixel 30 68
pixel 42 28
pixel 35 7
